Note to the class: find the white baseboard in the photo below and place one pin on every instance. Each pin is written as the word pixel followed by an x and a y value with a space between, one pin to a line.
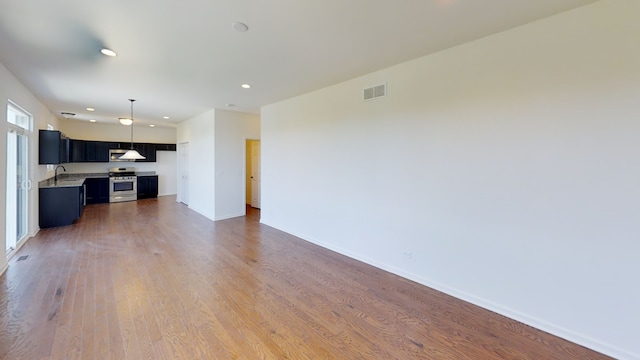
pixel 229 216
pixel 18 247
pixel 535 322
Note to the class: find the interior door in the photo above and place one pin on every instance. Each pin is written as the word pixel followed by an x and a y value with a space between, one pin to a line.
pixel 183 173
pixel 255 173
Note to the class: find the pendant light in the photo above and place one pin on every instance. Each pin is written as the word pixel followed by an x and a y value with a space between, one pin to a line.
pixel 132 154
pixel 125 121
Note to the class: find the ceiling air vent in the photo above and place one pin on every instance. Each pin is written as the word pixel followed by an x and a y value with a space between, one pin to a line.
pixel 374 92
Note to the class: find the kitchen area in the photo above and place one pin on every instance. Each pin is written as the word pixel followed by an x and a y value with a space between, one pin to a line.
pixel 90 172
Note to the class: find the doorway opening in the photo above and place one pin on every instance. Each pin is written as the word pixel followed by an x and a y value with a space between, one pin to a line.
pixel 253 173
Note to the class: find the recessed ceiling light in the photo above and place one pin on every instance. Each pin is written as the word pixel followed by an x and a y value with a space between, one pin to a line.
pixel 151 125
pixel 108 52
pixel 91 109
pixel 165 117
pixel 239 27
pixel 231 105
pixel 246 86
pixel 92 120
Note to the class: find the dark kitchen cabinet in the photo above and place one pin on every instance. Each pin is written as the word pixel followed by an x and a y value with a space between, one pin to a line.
pixel 147 187
pixel 72 150
pixel 60 206
pixel 91 151
pixel 98 151
pixel 77 151
pixel 146 150
pixel 97 190
pixel 143 149
pixel 166 147
pixel 53 147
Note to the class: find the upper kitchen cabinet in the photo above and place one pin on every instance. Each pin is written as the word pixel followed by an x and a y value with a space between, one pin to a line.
pixel 91 151
pixel 149 150
pixel 146 150
pixel 166 147
pixel 98 151
pixel 53 147
pixel 77 151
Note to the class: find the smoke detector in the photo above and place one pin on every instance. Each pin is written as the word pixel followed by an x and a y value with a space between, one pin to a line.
pixel 239 27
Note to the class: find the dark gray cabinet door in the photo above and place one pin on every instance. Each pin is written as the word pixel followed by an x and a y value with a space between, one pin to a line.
pixel 53 147
pixel 60 206
pixel 91 151
pixel 77 151
pixel 97 190
pixel 146 150
pixel 147 187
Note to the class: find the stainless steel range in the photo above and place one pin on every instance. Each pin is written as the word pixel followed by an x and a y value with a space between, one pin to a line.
pixel 123 184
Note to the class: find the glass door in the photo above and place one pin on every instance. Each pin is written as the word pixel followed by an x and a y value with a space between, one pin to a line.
pixel 18 183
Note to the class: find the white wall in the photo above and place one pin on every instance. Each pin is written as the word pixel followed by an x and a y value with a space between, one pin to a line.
pixel 199 132
pixel 232 130
pixel 505 171
pixel 84 130
pixel 217 161
pixel 12 89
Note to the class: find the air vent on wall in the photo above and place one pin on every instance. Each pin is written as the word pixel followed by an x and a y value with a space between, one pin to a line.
pixel 374 92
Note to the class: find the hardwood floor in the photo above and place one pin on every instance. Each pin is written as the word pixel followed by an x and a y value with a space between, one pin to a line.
pixel 154 280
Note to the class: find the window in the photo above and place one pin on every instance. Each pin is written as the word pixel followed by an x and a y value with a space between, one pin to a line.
pixel 18 117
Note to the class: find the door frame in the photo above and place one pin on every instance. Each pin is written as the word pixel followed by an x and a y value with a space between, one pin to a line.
pixel 183 166
pixel 248 172
pixel 25 131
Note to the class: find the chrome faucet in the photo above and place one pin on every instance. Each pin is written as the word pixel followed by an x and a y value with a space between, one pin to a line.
pixel 55 177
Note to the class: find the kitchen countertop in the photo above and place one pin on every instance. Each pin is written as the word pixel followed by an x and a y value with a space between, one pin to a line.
pixel 60 183
pixel 70 180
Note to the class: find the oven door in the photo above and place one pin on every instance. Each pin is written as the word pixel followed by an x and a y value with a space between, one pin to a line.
pixel 123 190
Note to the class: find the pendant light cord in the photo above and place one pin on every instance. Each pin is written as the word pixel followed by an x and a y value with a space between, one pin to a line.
pixel 132 100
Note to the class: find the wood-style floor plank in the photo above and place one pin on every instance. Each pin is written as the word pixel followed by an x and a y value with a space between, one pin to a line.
pixel 154 280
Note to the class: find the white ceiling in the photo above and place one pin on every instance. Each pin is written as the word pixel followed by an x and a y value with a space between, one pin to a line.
pixel 182 58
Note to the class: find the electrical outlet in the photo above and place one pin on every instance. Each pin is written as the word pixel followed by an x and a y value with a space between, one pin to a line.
pixel 407 254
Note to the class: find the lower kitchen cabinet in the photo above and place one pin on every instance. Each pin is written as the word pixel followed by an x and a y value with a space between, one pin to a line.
pixel 60 206
pixel 147 186
pixel 97 190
